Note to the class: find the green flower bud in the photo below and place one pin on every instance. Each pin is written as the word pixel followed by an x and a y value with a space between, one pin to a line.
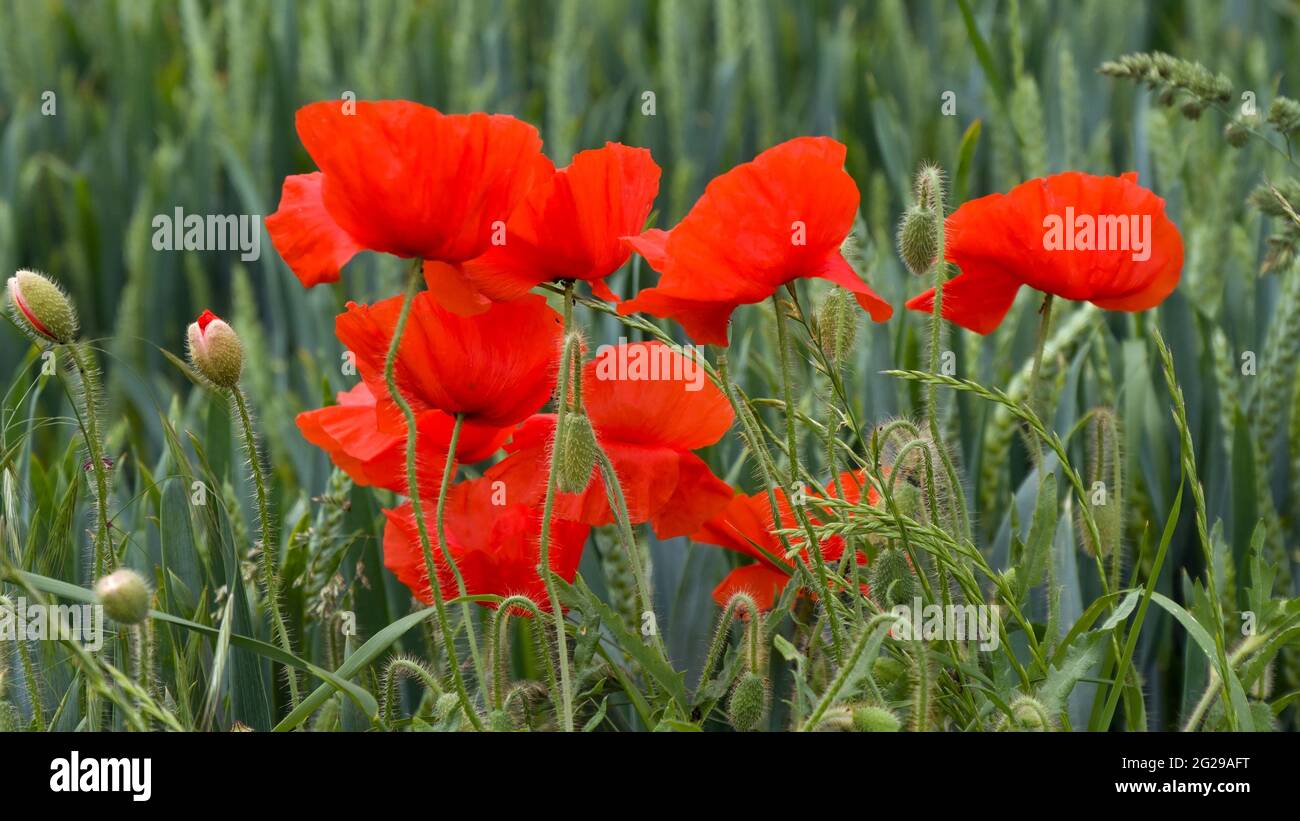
pixel 575 455
pixel 1236 134
pixel 837 325
pixel 446 704
pixel 124 595
pixel 871 719
pixel 892 581
pixel 1028 715
pixel 928 187
pixel 918 242
pixel 42 308
pixel 1104 480
pixel 215 351
pixel 748 706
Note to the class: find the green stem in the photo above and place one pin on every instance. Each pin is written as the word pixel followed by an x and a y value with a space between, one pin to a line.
pixel 89 378
pixel 414 279
pixel 792 444
pixel 466 615
pixel 1035 390
pixel 268 538
pixel 548 510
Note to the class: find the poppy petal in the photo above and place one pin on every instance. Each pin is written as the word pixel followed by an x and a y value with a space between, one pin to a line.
pixel 308 239
pixel 698 496
pixel 762 583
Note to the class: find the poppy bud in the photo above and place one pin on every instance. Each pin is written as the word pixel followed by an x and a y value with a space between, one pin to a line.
pixel 837 324
pixel 871 719
pixel 892 582
pixel 928 187
pixel 1235 133
pixel 575 453
pixel 215 351
pixel 749 702
pixel 124 595
pixel 917 240
pixel 1028 715
pixel 446 704
pixel 1104 479
pixel 42 308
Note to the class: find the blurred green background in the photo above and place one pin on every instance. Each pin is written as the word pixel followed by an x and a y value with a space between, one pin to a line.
pixel 190 104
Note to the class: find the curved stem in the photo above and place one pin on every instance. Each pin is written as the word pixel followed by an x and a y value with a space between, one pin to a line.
pixel 268 538
pixel 414 279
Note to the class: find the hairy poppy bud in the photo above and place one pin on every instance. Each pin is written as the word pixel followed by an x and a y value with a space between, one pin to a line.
pixel 1235 133
pixel 917 239
pixel 749 702
pixel 892 582
pixel 125 596
pixel 42 308
pixel 1104 479
pixel 837 324
pixel 1028 715
pixel 871 719
pixel 575 455
pixel 215 350
pixel 928 187
pixel 446 704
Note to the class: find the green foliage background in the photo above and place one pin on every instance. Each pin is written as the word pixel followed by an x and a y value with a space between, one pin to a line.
pixel 190 104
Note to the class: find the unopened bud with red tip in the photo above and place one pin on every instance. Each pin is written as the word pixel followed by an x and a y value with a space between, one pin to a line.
pixel 42 308
pixel 125 596
pixel 215 351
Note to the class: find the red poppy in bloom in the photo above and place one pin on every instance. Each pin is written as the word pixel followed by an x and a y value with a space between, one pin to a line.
pixel 495 546
pixel 570 227
pixel 650 406
pixel 349 432
pixel 762 224
pixel 746 526
pixel 401 178
pixel 495 368
pixel 1101 239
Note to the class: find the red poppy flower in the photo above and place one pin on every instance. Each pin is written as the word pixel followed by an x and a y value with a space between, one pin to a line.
pixel 495 546
pixel 762 224
pixel 401 178
pixel 746 526
pixel 650 407
pixel 1101 239
pixel 495 368
pixel 570 227
pixel 349 432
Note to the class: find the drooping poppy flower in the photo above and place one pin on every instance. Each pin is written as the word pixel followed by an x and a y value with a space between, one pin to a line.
pixel 404 179
pixel 649 406
pixel 495 546
pixel 495 368
pixel 757 227
pixel 349 433
pixel 746 526
pixel 571 227
pixel 1105 240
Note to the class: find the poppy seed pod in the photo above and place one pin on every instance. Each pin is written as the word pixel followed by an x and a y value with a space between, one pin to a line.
pixel 575 455
pixel 42 308
pixel 917 239
pixel 749 702
pixel 1027 715
pixel 124 595
pixel 215 351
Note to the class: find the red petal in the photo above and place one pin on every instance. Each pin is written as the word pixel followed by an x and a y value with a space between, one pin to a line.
pixel 405 179
pixel 762 583
pixel 308 239
pixel 496 367
pixel 649 393
pixel 698 496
